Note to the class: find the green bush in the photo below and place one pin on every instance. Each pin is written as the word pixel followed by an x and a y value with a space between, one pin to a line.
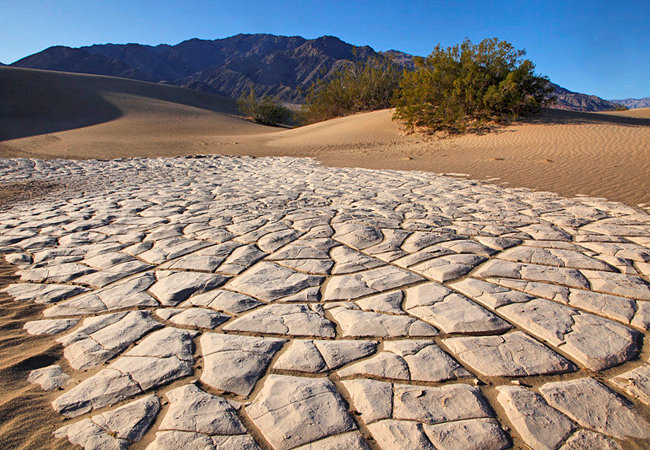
pixel 464 87
pixel 266 110
pixel 359 86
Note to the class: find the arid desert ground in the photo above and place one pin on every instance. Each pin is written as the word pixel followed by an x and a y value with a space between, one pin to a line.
pixel 83 117
pixel 179 277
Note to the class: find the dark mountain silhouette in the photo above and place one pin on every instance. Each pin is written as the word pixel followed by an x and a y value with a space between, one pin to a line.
pixel 281 66
pixel 634 103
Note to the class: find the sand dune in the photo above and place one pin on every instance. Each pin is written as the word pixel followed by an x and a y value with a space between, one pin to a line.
pixel 54 114
pixel 372 129
pixel 602 154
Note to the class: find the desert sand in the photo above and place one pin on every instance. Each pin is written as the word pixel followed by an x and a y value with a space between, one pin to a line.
pixel 80 116
pixel 360 285
pixel 26 418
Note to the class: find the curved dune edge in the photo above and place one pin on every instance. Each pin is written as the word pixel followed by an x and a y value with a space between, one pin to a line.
pixel 596 154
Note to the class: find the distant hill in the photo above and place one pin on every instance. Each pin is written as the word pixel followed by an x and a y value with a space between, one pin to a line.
pixel 634 103
pixel 574 101
pixel 281 66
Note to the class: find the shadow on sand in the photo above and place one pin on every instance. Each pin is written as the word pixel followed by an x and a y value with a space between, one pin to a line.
pixel 549 116
pixel 34 102
pixel 560 117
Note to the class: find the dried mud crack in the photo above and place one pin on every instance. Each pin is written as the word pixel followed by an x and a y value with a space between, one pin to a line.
pixel 225 302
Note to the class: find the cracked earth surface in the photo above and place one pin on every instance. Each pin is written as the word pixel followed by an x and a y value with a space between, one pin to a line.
pixel 221 302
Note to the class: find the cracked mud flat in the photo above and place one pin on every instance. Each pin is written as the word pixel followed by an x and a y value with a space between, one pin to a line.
pixel 221 302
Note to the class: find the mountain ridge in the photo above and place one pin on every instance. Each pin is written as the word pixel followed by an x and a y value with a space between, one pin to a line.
pixel 280 66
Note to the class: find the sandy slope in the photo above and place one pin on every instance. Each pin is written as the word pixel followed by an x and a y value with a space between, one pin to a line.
pixel 54 114
pixel 567 152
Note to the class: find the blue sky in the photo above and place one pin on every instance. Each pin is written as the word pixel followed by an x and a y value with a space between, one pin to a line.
pixel 596 47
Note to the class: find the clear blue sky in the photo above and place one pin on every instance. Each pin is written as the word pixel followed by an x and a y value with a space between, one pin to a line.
pixel 596 47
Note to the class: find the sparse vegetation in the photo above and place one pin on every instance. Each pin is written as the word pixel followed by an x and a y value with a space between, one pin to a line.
pixel 265 110
pixel 456 89
pixel 359 86
pixel 465 87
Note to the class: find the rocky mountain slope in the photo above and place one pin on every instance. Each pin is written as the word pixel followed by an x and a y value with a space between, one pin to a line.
pixel 282 66
pixel 574 101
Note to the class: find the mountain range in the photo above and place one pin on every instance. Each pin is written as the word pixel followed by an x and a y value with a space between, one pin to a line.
pixel 280 66
pixel 633 103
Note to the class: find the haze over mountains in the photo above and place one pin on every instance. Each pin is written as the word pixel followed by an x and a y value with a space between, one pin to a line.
pixel 281 66
pixel 574 101
pixel 634 103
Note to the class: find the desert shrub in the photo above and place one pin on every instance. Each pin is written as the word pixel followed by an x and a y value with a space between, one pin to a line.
pixel 464 87
pixel 364 85
pixel 265 110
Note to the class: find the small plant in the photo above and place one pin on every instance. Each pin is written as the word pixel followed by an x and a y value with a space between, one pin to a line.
pixel 464 87
pixel 364 85
pixel 265 110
